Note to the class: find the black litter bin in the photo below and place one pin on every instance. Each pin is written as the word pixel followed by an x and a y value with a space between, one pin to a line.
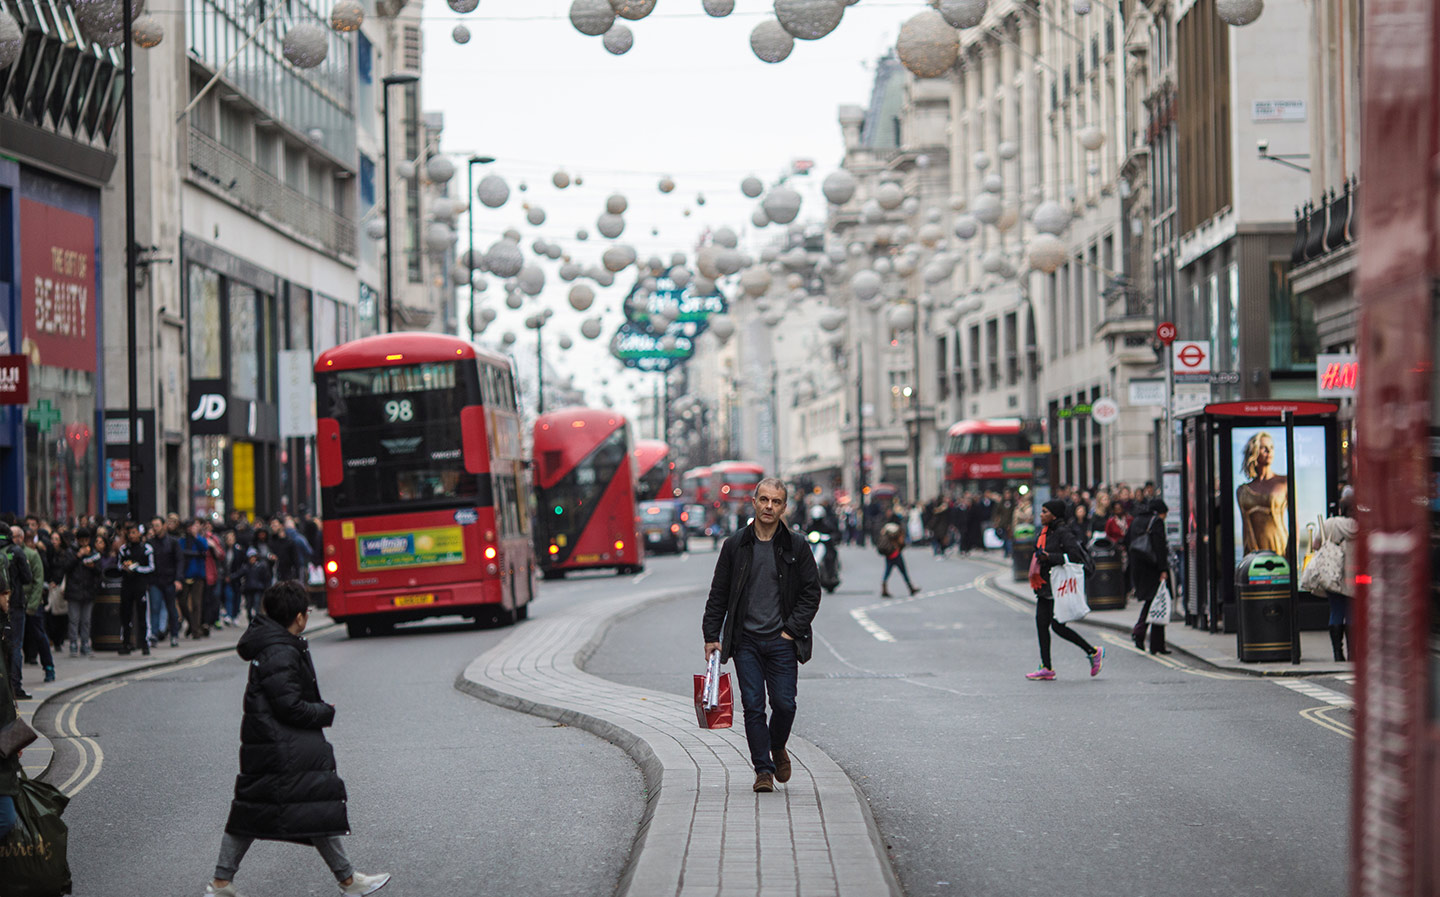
pixel 105 617
pixel 1262 591
pixel 1022 551
pixel 1106 589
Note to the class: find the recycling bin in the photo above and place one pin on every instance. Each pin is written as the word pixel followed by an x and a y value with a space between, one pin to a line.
pixel 1021 551
pixel 105 616
pixel 1106 589
pixel 1262 592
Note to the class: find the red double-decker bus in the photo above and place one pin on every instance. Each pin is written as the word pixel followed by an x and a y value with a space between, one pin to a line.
pixel 657 471
pixel 987 454
pixel 732 485
pixel 422 481
pixel 695 486
pixel 585 491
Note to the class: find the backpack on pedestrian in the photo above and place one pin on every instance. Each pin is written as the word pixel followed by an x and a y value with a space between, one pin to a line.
pixel 890 538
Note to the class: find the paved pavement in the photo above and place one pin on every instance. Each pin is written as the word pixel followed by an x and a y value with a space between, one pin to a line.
pixel 704 829
pixel 1217 649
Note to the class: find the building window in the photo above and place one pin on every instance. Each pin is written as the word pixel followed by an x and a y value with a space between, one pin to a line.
pixel 244 343
pixel 1292 324
pixel 205 351
pixel 1203 157
pixel 367 184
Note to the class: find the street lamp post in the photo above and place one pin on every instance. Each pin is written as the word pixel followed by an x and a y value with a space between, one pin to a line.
pixel 132 494
pixel 915 403
pixel 536 322
pixel 470 227
pixel 388 82
pixel 860 433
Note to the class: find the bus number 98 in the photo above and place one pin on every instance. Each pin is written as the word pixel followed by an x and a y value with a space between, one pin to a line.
pixel 398 411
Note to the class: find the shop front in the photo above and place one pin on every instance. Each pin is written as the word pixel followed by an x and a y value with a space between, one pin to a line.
pixel 50 457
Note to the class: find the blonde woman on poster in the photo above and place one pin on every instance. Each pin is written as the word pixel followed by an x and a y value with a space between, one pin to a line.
pixel 1263 499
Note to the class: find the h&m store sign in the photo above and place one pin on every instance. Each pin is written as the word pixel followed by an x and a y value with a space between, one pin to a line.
pixel 1336 374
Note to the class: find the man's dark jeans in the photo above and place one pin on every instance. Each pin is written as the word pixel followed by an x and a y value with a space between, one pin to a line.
pixel 767 665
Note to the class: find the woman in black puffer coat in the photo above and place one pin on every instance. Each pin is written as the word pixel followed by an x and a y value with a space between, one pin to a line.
pixel 288 789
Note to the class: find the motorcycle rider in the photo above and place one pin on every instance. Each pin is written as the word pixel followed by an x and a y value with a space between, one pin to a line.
pixel 821 523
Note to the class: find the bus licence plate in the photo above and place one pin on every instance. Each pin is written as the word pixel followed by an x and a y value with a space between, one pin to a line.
pixel 409 600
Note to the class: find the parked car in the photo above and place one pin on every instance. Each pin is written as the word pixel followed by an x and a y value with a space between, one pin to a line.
pixel 662 528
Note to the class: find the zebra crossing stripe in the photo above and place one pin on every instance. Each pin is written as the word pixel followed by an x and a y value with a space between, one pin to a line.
pixel 1318 692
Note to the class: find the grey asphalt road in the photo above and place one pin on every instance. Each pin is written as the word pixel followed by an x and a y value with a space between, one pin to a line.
pixel 450 794
pixel 1152 779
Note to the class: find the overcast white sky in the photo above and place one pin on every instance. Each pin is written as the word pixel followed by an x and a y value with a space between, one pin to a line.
pixel 690 100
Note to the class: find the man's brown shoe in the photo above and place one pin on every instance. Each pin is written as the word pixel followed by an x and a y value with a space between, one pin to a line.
pixel 782 764
pixel 764 782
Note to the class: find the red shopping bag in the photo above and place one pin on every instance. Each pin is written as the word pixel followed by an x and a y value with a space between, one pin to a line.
pixel 722 714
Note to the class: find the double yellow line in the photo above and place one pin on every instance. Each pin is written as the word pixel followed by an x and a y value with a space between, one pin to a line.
pixel 67 720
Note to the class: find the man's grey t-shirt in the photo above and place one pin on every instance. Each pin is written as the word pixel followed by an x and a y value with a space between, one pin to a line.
pixel 762 598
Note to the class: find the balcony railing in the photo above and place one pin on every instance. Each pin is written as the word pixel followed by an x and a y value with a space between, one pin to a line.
pixel 1321 230
pixel 256 190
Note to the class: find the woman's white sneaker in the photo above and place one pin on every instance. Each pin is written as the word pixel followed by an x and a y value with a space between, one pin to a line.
pixel 360 883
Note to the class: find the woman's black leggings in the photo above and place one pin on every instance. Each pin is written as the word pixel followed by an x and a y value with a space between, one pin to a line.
pixel 1045 621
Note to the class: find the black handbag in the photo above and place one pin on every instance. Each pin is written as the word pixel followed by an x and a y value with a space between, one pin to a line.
pixel 15 736
pixel 1143 547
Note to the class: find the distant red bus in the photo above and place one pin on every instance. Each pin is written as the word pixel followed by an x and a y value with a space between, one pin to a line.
pixel 657 471
pixel 422 477
pixel 983 454
pixel 732 485
pixel 585 481
pixel 695 486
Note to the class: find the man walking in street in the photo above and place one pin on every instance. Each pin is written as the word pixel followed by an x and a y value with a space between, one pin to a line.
pixel 137 564
pixel 763 598
pixel 165 583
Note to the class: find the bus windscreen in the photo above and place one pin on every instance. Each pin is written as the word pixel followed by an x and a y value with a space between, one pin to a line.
pixel 574 498
pixel 400 438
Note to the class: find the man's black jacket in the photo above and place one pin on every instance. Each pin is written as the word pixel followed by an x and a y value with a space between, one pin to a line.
pixel 799 590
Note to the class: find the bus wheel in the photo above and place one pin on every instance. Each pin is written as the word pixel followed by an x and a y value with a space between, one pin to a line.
pixel 355 628
pixel 505 616
pixel 553 574
pixel 522 612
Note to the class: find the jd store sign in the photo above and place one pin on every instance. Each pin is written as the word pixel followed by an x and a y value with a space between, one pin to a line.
pixel 214 413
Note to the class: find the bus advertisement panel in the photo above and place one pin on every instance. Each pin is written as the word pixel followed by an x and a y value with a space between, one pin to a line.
pixel 422 483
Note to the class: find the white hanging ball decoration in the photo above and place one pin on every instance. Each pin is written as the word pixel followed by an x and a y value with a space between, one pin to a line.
pixel 963 13
pixel 460 34
pixel 306 45
pixel 871 213
pixel 981 160
pixel 439 169
pixel 929 46
pixel 148 32
pixel 504 259
pixel 831 320
pixel 561 179
pixel 1050 218
pixel 902 317
pixel 881 266
pixel 931 234
pixel 758 218
pixel 666 184
pixel 922 161
pixel 1239 12
pixel 1008 219
pixel 374 228
pixel 592 17
pixel 1046 252
pixel 492 191
pixel 752 187
pixel 405 168
pixel 681 276
pixel 459 274
pixel 890 196
pixel 619 39
pixel 771 42
pixel 782 204
pixel 582 235
pixel 513 300
pixel 566 343
pixel 987 208
pixel 725 237
pixel 11 39
pixel 866 285
pixel 729 261
pixel 569 271
pixel 582 296
pixel 838 187
pixel 463 6
pixel 704 286
pixel 906 264
pixel 1081 7
pixel 723 326
pixel 590 328
pixel 992 262
pixel 1007 150
pixel 773 317
pixel 532 280
pixel 507 338
pixel 535 216
pixel 719 9
pixel 809 19
pixel 993 182
pixel 438 236
pixel 1092 138
pixel 610 225
pixel 616 204
pixel 934 216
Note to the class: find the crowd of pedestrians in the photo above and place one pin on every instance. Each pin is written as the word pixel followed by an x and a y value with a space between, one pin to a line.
pixel 176 579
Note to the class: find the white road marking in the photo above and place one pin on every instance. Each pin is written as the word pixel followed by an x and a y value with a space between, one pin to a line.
pixel 862 614
pixel 1318 692
pixel 870 625
pixel 641 577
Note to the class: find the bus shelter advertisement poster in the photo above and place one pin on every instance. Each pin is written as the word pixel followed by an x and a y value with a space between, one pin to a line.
pixel 1262 514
